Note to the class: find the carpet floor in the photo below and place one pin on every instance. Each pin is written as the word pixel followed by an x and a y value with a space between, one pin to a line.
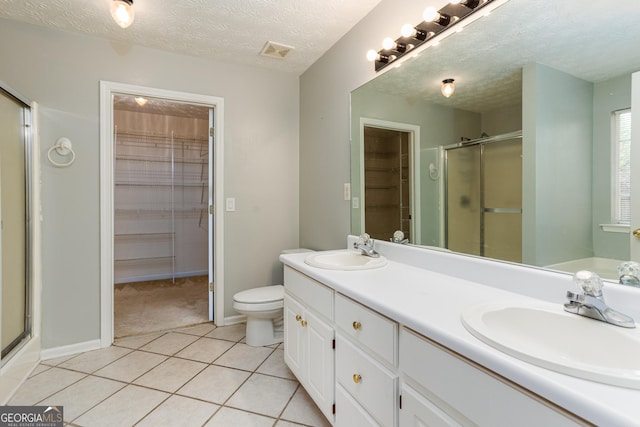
pixel 159 305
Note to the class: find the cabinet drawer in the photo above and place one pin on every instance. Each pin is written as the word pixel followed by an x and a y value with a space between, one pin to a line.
pixel 368 328
pixel 309 292
pixel 371 384
pixel 465 391
pixel 349 413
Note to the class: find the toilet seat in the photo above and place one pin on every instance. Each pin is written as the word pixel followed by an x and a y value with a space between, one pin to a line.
pixel 259 299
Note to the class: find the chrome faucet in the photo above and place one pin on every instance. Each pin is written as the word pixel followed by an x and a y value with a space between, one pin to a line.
pixel 398 237
pixel 365 245
pixel 591 303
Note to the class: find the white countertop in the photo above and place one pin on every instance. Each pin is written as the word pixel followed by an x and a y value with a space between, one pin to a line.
pixel 431 304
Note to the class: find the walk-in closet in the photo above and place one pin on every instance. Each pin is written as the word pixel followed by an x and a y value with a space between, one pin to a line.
pixel 161 184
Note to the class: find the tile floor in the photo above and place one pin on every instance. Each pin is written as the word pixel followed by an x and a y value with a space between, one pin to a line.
pixel 196 376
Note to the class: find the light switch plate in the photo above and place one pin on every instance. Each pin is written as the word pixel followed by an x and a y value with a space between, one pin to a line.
pixel 231 204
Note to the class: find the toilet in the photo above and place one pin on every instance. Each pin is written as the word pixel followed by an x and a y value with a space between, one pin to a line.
pixel 263 307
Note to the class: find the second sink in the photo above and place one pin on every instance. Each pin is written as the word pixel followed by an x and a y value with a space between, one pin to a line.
pixel 545 335
pixel 344 259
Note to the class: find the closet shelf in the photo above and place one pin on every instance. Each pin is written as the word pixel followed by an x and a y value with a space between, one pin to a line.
pixel 381 187
pixel 146 236
pixel 159 184
pixel 161 159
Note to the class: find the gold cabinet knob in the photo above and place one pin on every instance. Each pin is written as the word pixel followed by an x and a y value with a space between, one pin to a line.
pixel 357 378
pixel 303 323
pixel 636 233
pixel 357 325
pixel 298 317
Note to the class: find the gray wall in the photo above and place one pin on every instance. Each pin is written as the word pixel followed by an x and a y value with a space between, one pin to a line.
pixel 62 71
pixel 325 123
pixel 608 96
pixel 557 162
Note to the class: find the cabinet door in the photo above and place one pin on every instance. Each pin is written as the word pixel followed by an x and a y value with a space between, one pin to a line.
pixel 349 413
pixel 293 336
pixel 417 411
pixel 319 356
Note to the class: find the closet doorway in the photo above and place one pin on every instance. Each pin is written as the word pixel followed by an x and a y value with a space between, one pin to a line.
pixel 161 185
pixel 160 232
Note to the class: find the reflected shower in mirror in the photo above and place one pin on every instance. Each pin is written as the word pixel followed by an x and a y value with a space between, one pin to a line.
pixel 551 75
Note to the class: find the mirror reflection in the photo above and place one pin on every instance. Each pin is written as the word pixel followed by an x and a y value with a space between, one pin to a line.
pixel 528 161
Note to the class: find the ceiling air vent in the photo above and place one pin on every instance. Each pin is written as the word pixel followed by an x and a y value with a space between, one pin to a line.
pixel 276 50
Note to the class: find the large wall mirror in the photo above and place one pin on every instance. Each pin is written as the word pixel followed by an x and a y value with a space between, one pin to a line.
pixel 528 161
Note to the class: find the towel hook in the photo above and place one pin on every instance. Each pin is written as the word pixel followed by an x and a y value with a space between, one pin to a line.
pixel 63 148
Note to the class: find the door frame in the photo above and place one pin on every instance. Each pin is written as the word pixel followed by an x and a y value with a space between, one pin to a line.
pixel 414 170
pixel 107 90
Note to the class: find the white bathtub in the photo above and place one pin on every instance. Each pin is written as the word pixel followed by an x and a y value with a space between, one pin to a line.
pixel 607 268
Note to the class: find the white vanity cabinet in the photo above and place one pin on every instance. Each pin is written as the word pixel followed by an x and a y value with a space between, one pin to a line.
pixel 454 391
pixel 309 337
pixel 366 360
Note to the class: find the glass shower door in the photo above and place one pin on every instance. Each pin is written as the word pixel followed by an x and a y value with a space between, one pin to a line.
pixel 14 319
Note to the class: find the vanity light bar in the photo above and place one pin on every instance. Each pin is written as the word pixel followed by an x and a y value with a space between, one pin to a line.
pixel 411 37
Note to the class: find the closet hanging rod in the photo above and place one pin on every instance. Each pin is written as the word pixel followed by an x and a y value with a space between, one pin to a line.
pixel 152 135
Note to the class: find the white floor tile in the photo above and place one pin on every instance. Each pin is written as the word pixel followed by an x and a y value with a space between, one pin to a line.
pixel 199 330
pixel 82 396
pixel 263 394
pixel 178 411
pixel 169 344
pixel 230 333
pixel 229 417
pixel 245 357
pixel 131 366
pixel 136 341
pixel 39 369
pixel 91 361
pixel 124 408
pixel 171 374
pixel 214 384
pixel 43 385
pixel 274 365
pixel 205 349
pixel 303 410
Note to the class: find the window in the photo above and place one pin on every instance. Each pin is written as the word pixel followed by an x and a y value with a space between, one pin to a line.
pixel 621 172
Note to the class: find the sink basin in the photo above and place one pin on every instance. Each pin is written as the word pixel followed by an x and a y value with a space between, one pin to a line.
pixel 545 335
pixel 344 260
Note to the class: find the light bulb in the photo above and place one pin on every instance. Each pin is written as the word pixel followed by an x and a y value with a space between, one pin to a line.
pixel 141 101
pixel 123 12
pixel 372 55
pixel 430 14
pixel 388 43
pixel 447 88
pixel 408 30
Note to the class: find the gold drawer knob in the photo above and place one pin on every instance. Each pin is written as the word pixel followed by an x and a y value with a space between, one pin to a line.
pixel 298 317
pixel 357 378
pixel 357 325
pixel 303 323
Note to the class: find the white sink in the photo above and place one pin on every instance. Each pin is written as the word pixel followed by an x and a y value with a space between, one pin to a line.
pixel 344 260
pixel 545 335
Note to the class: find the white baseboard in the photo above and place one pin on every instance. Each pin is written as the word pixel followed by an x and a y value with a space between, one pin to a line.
pixel 232 320
pixel 17 369
pixel 67 350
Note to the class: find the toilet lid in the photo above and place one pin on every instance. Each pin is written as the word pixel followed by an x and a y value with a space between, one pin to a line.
pixel 260 295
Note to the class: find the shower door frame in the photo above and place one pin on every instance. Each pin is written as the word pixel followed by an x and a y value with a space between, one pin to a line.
pixel 216 186
pixel 483 209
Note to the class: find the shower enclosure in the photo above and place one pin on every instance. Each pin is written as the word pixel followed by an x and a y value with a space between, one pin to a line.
pixel 15 233
pixel 483 191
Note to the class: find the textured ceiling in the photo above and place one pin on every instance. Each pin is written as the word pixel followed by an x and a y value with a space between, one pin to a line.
pixel 591 39
pixel 227 30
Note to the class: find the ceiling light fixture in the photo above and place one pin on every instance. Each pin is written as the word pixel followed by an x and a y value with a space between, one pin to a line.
pixel 123 12
pixel 434 22
pixel 141 101
pixel 447 88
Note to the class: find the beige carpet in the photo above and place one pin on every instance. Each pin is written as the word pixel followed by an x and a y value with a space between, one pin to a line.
pixel 159 305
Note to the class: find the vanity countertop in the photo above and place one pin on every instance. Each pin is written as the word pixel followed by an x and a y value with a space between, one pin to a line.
pixel 431 304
